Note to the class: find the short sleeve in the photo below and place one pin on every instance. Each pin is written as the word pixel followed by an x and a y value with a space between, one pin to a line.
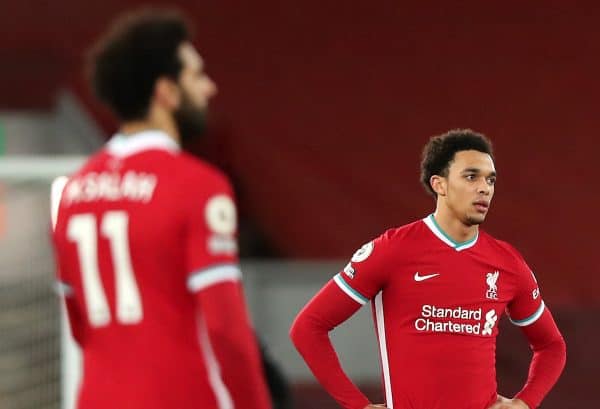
pixel 527 305
pixel 211 243
pixel 366 273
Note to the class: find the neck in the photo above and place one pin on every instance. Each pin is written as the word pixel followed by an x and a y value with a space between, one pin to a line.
pixel 156 120
pixel 454 227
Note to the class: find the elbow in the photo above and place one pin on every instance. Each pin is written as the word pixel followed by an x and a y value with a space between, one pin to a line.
pixel 222 329
pixel 562 349
pixel 306 332
pixel 562 345
pixel 295 332
pixel 240 347
pixel 234 337
pixel 303 334
pixel 556 348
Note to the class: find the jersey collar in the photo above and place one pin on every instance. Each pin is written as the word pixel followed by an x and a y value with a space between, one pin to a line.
pixel 440 234
pixel 125 145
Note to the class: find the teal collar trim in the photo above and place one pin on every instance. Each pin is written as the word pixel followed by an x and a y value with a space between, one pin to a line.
pixel 440 234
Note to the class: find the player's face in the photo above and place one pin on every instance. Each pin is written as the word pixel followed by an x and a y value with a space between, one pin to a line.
pixel 470 186
pixel 196 90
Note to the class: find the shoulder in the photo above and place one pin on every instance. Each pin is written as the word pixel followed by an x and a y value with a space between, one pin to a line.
pixel 93 163
pixel 402 234
pixel 377 254
pixel 502 246
pixel 505 251
pixel 394 237
pixel 208 187
pixel 193 177
pixel 202 173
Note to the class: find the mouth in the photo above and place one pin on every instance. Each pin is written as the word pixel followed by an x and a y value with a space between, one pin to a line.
pixel 481 206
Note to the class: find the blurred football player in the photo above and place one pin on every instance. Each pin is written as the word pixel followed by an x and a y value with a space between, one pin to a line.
pixel 146 238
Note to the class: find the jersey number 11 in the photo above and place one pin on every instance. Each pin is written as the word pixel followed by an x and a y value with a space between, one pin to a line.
pixel 82 230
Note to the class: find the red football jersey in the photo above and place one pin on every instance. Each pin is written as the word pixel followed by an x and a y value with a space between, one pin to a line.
pixel 141 229
pixel 436 305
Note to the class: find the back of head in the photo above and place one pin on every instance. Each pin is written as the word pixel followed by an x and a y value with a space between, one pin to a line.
pixel 137 50
pixel 440 150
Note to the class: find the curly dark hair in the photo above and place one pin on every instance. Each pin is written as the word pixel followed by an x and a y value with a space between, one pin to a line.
pixel 440 150
pixel 137 49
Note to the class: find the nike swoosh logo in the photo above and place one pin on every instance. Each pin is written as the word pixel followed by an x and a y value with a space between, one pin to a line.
pixel 423 278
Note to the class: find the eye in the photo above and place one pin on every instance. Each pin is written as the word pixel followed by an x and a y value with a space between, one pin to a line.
pixel 491 180
pixel 470 177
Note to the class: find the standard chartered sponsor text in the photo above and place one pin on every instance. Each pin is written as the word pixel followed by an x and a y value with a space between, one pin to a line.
pixel 436 319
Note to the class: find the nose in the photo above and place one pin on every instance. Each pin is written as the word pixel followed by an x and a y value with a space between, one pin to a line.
pixel 484 188
pixel 211 87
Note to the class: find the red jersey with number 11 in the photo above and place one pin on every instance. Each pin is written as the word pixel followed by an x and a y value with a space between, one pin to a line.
pixel 142 228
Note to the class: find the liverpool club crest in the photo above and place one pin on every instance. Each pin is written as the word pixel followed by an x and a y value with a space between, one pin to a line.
pixel 492 291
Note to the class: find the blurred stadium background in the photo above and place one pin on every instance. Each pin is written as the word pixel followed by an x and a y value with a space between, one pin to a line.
pixel 321 114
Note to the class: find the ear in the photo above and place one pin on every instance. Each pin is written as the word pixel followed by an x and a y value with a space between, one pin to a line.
pixel 167 93
pixel 438 184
